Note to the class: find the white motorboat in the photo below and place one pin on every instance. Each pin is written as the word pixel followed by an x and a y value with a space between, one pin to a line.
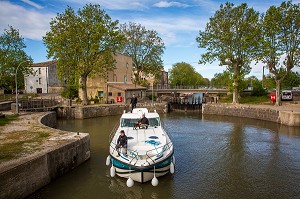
pixel 149 149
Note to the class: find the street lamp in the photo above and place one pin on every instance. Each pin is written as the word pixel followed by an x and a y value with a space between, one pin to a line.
pixel 16 79
pixel 151 81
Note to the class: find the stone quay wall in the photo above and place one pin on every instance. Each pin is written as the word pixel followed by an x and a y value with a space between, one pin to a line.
pixel 37 170
pixel 241 111
pixel 83 112
pixel 289 118
pixel 5 106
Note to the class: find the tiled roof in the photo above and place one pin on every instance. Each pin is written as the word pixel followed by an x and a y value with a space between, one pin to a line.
pixel 123 86
pixel 44 64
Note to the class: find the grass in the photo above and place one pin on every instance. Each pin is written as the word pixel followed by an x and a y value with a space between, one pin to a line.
pixel 16 144
pixel 247 99
pixel 7 119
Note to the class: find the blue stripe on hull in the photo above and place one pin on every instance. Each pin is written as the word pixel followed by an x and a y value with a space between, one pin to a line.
pixel 161 164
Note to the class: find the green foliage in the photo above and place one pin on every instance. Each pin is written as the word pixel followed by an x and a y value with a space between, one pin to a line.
pixel 145 47
pixel 280 39
pixel 291 80
pixel 255 99
pixel 246 99
pixel 231 36
pixel 83 43
pixel 12 55
pixel 257 87
pixel 7 119
pixel 43 135
pixel 184 74
pixel 70 92
pixel 222 80
pixel 152 97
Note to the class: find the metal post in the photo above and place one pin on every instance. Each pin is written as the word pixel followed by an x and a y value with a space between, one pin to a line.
pixel 152 93
pixel 16 79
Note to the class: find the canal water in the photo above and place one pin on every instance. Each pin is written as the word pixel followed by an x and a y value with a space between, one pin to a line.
pixel 216 157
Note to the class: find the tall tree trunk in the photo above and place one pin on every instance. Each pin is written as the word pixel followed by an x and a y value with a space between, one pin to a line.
pixel 235 97
pixel 83 80
pixel 278 99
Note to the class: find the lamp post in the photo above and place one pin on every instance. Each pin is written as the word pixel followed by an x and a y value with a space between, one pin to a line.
pixel 151 81
pixel 16 79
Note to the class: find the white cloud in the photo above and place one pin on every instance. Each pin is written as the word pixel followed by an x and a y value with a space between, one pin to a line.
pixel 174 30
pixel 114 4
pixel 31 24
pixel 165 4
pixel 32 4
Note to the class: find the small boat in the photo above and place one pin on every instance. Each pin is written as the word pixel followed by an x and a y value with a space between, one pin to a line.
pixel 150 152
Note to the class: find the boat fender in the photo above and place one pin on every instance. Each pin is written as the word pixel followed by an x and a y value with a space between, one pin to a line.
pixel 173 159
pixel 172 169
pixel 129 182
pixel 154 181
pixel 107 160
pixel 112 171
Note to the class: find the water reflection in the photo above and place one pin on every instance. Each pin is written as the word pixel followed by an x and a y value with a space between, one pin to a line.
pixel 216 157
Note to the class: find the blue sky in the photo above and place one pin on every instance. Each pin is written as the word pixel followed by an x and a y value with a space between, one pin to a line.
pixel 177 22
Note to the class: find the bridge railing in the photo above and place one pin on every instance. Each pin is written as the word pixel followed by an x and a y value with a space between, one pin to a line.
pixel 170 87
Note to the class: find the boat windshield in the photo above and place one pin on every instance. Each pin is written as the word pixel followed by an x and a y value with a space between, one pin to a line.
pixel 129 122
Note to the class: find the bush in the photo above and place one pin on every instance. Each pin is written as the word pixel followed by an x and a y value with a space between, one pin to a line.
pixel 70 92
pixel 154 97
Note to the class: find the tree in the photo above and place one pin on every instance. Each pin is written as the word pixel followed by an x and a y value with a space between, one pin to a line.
pixel 183 74
pixel 11 55
pixel 257 87
pixel 280 40
pixel 83 44
pixel 146 49
pixel 291 80
pixel 222 80
pixel 231 37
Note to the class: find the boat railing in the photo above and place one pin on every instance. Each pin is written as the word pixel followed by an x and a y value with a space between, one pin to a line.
pixel 112 133
pixel 157 154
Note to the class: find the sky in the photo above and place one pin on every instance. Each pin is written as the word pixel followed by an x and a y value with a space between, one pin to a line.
pixel 177 22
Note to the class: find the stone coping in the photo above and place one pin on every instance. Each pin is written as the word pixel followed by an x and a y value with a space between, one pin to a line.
pixel 32 122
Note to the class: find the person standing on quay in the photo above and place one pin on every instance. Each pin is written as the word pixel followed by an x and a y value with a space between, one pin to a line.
pixel 133 102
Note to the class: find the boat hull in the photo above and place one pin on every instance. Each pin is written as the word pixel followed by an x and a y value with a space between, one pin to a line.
pixel 142 174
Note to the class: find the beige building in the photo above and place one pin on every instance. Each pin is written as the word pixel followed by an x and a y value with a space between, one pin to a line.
pixel 117 87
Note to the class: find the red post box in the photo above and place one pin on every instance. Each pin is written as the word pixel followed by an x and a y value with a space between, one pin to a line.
pixel 119 99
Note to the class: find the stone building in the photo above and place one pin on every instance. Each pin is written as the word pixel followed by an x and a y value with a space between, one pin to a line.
pixel 44 79
pixel 117 86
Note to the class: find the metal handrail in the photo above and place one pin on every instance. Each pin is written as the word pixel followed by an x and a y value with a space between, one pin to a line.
pixel 168 146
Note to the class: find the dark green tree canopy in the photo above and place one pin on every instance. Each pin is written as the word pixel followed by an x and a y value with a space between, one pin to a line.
pixel 83 43
pixel 11 55
pixel 183 74
pixel 145 47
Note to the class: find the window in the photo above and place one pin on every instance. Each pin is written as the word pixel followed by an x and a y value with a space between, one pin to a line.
pixel 119 94
pixel 40 71
pixel 40 80
pixel 125 78
pixel 100 94
pixel 126 65
pixel 109 93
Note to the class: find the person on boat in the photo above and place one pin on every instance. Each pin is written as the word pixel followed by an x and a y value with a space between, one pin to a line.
pixel 133 102
pixel 122 143
pixel 143 122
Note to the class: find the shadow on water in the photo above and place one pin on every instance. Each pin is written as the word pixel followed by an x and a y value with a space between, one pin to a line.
pixel 216 157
